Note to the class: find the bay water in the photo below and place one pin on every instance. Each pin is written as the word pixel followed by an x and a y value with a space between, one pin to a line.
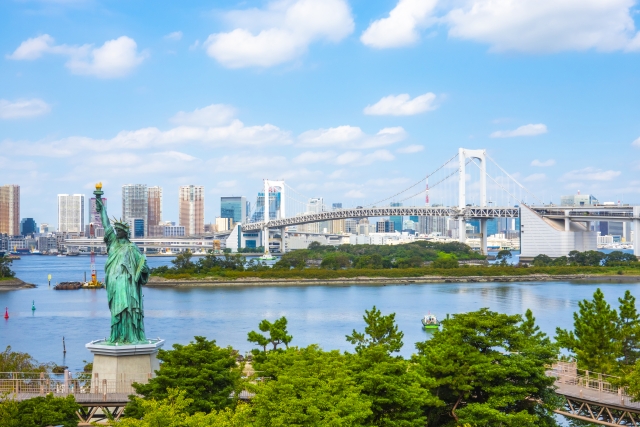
pixel 317 314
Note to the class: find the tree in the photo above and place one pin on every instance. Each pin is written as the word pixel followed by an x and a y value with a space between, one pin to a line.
pixel 489 369
pixel 593 339
pixel 542 260
pixel 503 256
pixel 335 261
pixel 397 390
pixel 380 331
pixel 628 329
pixel 182 261
pixel 278 334
pixel 174 411
pixel 5 267
pixel 619 258
pixel 207 373
pixel 15 361
pixel 39 412
pixel 587 258
pixel 308 387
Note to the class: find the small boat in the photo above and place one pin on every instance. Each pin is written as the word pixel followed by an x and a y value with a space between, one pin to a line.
pixel 430 321
pixel 267 257
pixel 61 255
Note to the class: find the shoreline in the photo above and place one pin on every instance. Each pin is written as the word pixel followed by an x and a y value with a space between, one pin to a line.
pixel 15 283
pixel 159 282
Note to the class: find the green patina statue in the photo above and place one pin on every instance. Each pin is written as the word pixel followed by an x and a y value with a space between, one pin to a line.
pixel 125 271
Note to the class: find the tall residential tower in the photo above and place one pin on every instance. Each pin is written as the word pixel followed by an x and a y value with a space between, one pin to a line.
pixel 10 210
pixel 71 213
pixel 191 209
pixel 135 204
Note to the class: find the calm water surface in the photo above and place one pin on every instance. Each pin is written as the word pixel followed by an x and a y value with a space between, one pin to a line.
pixel 322 315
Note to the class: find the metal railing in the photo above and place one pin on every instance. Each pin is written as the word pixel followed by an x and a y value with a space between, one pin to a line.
pixel 83 385
pixel 590 385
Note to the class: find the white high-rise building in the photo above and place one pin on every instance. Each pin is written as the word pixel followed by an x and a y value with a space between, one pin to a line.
pixel 135 204
pixel 71 213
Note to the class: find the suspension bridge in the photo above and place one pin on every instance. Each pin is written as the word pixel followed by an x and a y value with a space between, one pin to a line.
pixel 468 186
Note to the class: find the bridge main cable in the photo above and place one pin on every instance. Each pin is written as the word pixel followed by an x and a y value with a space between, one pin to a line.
pixel 419 182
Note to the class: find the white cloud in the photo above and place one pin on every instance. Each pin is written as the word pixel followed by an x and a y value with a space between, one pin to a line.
pixel 280 33
pixel 402 105
pixel 535 177
pixel 545 164
pixel 236 134
pixel 115 58
pixel 314 157
pixel 409 149
pixel 351 137
pixel 526 130
pixel 636 143
pixel 357 158
pixel 354 194
pixel 211 115
pixel 23 108
pixel 401 27
pixel 546 25
pixel 591 174
pixel 348 157
pixel 174 36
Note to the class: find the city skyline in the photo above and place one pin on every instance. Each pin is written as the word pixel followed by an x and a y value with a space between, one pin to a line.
pixel 359 90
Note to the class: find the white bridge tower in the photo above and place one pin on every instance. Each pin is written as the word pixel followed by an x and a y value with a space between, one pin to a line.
pixel 481 155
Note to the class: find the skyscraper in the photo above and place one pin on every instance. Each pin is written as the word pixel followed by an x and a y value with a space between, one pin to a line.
pixel 397 220
pixel 94 218
pixel 191 209
pixel 71 213
pixel 28 226
pixel 234 208
pixel 135 203
pixel 154 207
pixel 10 210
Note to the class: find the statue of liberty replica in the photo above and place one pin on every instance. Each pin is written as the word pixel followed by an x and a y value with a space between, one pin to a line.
pixel 125 271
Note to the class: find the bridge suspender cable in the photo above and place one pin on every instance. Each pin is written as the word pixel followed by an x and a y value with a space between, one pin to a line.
pixel 443 179
pixel 419 182
pixel 514 180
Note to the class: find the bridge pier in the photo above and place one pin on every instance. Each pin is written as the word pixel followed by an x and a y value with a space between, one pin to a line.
pixel 483 236
pixel 636 231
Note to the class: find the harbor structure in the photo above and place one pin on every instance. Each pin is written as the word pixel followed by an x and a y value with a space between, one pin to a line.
pixel 71 211
pixel 10 210
pixel 191 209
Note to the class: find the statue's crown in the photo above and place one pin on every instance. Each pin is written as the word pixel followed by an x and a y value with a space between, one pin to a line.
pixel 119 223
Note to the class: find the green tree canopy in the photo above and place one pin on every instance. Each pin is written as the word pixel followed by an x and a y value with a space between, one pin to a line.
pixel 39 412
pixel 379 331
pixel 278 334
pixel 206 372
pixel 5 267
pixel 489 369
pixel 397 390
pixel 308 387
pixel 593 339
pixel 15 361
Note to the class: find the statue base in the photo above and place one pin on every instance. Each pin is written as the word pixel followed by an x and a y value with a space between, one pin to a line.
pixel 116 367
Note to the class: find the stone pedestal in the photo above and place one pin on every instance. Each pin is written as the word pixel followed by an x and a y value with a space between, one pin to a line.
pixel 116 367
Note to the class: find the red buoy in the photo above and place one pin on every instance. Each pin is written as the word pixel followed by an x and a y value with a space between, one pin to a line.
pixel 6 312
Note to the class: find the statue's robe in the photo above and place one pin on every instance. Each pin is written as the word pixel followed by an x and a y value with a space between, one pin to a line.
pixel 126 271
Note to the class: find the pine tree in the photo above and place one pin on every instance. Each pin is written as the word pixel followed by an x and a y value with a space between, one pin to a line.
pixel 629 331
pixel 594 340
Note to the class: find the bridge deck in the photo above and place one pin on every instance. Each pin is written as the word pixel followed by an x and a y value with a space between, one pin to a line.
pixel 603 397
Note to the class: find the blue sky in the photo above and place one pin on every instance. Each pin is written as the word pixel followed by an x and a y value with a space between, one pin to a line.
pixel 348 100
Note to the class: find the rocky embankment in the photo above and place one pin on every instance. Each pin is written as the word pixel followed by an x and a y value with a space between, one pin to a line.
pixel 155 281
pixel 14 283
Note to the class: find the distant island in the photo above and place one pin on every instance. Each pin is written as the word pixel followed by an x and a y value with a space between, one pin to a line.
pixel 409 263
